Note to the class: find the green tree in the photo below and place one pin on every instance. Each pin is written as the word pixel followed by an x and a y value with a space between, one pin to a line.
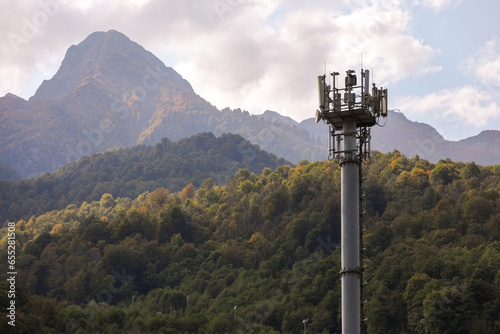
pixel 107 201
pixel 444 173
pixel 470 170
pixel 477 209
pixel 446 311
pixel 173 221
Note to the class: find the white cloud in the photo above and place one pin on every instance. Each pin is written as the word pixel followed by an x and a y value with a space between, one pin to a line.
pixel 85 5
pixel 484 65
pixel 275 67
pixel 476 105
pixel 253 54
pixel 469 104
pixel 437 5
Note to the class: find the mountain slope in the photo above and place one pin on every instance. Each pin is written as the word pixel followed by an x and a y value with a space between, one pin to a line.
pixel 485 147
pixel 103 96
pixel 113 60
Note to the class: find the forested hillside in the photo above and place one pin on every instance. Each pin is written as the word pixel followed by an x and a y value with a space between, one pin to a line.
pixel 260 253
pixel 128 172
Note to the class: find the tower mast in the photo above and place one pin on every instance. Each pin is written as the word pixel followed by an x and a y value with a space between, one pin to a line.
pixel 350 118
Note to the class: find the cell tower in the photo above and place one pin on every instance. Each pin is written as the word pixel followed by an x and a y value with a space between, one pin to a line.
pixel 350 118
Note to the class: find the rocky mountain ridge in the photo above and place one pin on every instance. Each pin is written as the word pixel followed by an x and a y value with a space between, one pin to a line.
pixel 111 92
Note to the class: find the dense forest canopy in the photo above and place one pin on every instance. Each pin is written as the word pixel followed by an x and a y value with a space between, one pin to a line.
pixel 259 253
pixel 128 172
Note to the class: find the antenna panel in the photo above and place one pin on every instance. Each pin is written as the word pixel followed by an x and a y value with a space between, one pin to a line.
pixel 319 115
pixel 321 91
pixel 383 112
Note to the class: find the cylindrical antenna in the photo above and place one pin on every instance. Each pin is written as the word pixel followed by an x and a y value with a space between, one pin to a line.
pixel 367 82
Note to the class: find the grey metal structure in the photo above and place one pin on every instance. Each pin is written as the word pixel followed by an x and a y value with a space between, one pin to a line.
pixel 350 117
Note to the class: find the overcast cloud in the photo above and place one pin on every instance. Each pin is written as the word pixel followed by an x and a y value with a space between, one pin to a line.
pixel 266 54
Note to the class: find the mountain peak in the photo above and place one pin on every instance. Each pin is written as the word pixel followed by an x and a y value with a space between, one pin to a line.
pixel 13 97
pixel 274 116
pixel 108 57
pixel 488 136
pixel 11 101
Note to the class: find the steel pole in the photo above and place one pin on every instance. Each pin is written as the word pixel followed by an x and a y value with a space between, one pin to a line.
pixel 350 271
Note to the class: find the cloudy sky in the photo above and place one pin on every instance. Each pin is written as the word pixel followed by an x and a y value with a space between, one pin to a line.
pixel 440 59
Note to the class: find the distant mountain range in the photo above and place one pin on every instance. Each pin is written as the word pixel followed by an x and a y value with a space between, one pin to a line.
pixel 414 138
pixel 111 92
